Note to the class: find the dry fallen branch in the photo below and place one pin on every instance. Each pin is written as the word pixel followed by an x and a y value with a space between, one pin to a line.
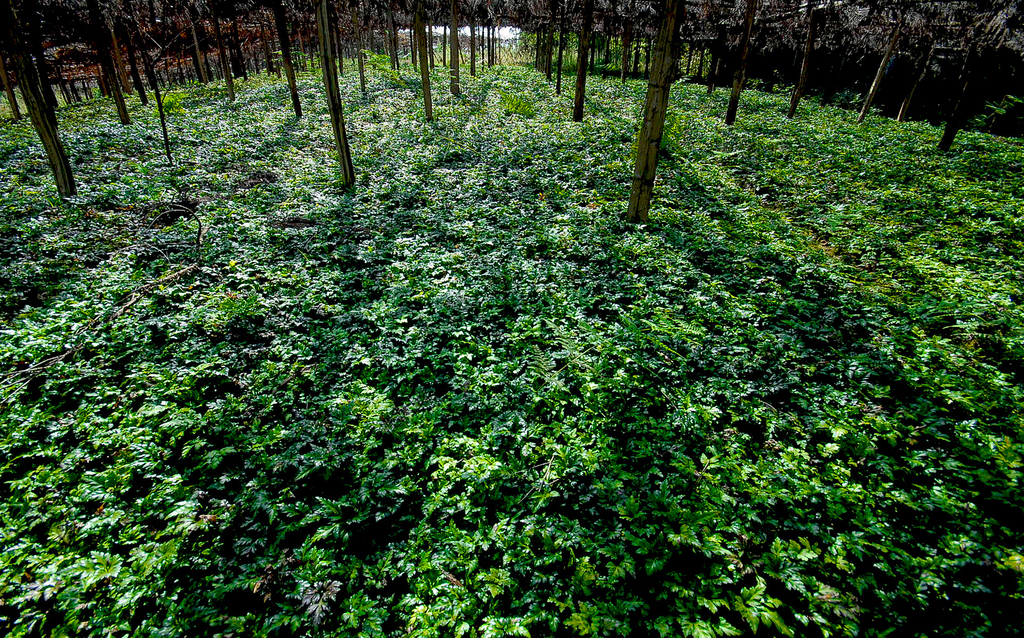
pixel 451 579
pixel 10 380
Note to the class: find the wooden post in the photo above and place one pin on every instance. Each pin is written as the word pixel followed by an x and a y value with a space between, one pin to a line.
pixel 237 56
pixel 713 65
pixel 472 45
pixel 537 53
pixel 413 46
pixel 62 83
pixel 198 50
pixel 739 76
pixel 359 47
pixel 593 45
pixel 147 66
pixel 133 65
pixel 421 40
pixel 74 91
pixel 286 54
pixel 584 54
pixel 339 49
pixel 889 50
pixel 9 90
pixel 271 67
pixel 958 117
pixel 106 64
pixel 649 138
pixel 627 39
pixel 224 61
pixel 40 111
pixel 455 48
pixel 905 107
pixel 549 44
pixel 31 23
pixel 490 43
pixel 561 51
pixel 122 72
pixel 330 75
pixel 798 91
pixel 430 48
pixel 312 50
pixel 392 38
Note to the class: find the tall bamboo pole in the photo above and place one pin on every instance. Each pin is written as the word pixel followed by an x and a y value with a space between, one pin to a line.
pixel 740 74
pixel 9 90
pixel 455 48
pixel 224 61
pixel 581 65
pixel 421 41
pixel 656 108
pixel 103 45
pixel 40 111
pixel 330 75
pixel 286 55
pixel 805 65
pixel 889 50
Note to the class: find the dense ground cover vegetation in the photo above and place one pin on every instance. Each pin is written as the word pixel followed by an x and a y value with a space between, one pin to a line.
pixel 464 398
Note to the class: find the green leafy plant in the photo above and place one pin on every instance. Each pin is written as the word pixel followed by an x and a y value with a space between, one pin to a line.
pixel 382 65
pixel 514 104
pixel 464 399
pixel 173 102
